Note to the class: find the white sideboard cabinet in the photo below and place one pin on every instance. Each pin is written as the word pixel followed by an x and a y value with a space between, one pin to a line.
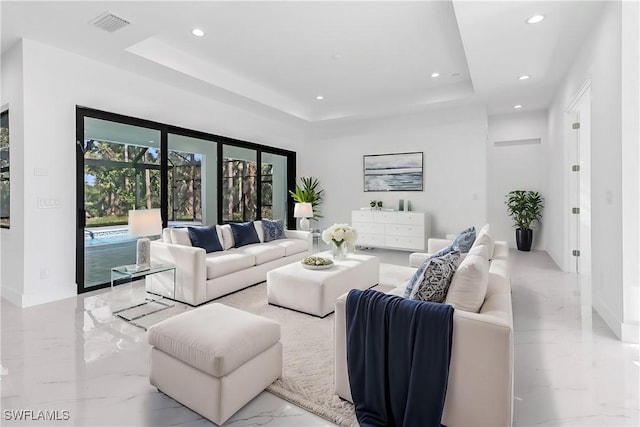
pixel 391 229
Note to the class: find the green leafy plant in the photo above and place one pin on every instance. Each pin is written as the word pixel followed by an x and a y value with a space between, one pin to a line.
pixel 309 192
pixel 525 207
pixel 372 203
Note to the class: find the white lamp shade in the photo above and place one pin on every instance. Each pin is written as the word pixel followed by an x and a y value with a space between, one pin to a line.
pixel 145 222
pixel 303 210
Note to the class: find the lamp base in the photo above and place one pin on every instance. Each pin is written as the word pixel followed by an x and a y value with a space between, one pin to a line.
pixel 143 254
pixel 304 224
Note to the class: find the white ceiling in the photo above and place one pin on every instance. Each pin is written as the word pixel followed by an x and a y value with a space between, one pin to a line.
pixel 367 59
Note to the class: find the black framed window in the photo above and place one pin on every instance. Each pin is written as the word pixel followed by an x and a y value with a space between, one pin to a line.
pixel 194 177
pixel 5 178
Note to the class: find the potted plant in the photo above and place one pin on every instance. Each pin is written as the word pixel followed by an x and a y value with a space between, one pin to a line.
pixel 372 204
pixel 525 207
pixel 309 192
pixel 379 204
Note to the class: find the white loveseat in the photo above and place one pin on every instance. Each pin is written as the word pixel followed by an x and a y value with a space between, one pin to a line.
pixel 202 277
pixel 480 387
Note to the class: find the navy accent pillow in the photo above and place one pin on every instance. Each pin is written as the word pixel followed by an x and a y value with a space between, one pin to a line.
pixel 273 230
pixel 437 278
pixel 205 238
pixel 463 241
pixel 244 233
pixel 419 274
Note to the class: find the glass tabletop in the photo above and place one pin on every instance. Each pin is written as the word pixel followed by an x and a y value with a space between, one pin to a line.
pixel 134 270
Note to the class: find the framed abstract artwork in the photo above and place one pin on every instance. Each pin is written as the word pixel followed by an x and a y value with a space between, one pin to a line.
pixel 393 172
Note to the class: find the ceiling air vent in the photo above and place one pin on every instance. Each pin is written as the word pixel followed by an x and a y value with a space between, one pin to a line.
pixel 109 22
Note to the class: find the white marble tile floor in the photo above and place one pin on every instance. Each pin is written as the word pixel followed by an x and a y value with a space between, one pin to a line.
pixel 73 355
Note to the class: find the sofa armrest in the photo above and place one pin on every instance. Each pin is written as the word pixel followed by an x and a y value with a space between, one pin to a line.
pixel 191 272
pixel 340 373
pixel 302 235
pixel 417 258
pixel 481 373
pixel 434 244
pixel 481 369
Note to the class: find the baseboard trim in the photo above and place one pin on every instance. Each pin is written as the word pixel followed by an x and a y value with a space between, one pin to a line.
pixel 31 299
pixel 14 297
pixel 631 332
pixel 608 316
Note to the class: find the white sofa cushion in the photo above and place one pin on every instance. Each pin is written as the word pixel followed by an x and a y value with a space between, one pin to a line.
pixel 263 252
pixel 166 235
pixel 469 284
pixel 180 236
pixel 292 246
pixel 239 337
pixel 226 262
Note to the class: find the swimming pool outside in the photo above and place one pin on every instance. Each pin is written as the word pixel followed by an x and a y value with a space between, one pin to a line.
pixel 106 237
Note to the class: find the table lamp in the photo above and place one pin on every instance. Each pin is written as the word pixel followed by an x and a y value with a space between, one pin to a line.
pixel 144 223
pixel 304 211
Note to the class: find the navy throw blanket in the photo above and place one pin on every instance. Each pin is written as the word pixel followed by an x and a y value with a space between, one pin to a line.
pixel 398 354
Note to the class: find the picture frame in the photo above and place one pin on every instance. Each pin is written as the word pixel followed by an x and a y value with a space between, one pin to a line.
pixel 393 172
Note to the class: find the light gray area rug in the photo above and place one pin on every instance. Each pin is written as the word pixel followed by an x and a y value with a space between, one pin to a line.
pixel 308 348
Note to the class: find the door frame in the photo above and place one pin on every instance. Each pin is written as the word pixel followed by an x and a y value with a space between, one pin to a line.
pixel 571 236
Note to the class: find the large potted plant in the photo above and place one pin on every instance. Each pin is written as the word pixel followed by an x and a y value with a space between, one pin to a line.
pixel 309 192
pixel 525 207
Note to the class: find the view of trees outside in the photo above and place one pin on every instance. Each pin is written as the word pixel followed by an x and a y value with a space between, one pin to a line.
pixel 185 186
pixel 121 177
pixel 240 190
pixel 4 170
pixel 267 190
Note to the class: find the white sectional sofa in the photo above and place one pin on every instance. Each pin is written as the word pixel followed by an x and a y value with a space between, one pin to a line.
pixel 480 388
pixel 202 277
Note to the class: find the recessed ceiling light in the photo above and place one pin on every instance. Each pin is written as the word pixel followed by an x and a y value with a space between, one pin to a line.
pixel 319 97
pixel 197 32
pixel 535 19
pixel 434 75
pixel 517 107
pixel 336 56
pixel 524 77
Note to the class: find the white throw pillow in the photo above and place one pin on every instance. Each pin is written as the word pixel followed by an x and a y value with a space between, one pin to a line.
pixel 227 236
pixel 166 235
pixel 469 284
pixel 484 238
pixel 482 250
pixel 259 230
pixel 180 236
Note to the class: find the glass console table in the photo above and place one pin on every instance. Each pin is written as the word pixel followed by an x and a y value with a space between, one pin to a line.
pixel 127 274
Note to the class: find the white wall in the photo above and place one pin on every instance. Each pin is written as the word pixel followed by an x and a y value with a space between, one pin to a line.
pixel 454 146
pixel 515 166
pixel 54 81
pixel 599 61
pixel 12 239
pixel 630 170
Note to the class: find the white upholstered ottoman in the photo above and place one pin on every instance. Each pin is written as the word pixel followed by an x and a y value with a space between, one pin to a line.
pixel 315 291
pixel 215 359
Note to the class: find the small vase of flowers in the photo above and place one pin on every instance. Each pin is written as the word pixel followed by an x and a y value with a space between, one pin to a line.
pixel 339 235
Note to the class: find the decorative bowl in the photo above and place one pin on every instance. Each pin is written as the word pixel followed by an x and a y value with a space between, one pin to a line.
pixel 316 263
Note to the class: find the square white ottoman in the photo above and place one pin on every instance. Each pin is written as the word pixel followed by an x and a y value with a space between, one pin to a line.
pixel 215 359
pixel 315 291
